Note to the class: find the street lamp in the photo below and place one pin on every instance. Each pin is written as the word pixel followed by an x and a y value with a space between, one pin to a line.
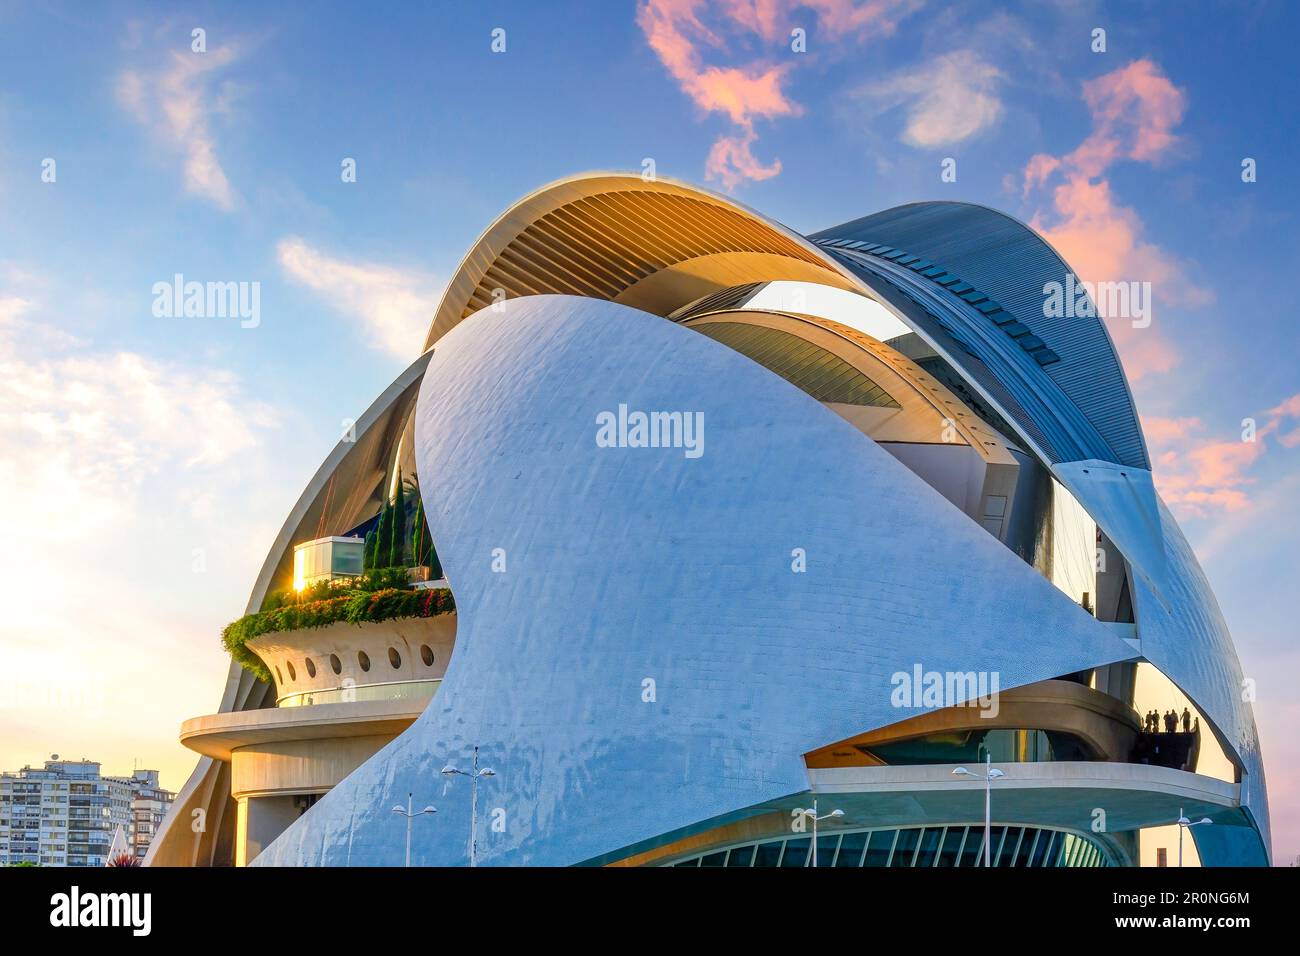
pixel 473 775
pixel 991 773
pixel 1186 824
pixel 812 815
pixel 406 812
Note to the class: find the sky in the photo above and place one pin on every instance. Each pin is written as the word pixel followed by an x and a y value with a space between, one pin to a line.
pixel 147 460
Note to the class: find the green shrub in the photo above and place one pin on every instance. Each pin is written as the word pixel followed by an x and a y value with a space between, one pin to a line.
pixel 379 595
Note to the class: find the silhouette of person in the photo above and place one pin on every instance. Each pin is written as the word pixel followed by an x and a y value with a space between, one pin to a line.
pixel 1187 721
pixel 1171 722
pixel 1151 722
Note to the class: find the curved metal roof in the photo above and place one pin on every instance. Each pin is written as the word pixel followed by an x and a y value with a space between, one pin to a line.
pixel 1006 263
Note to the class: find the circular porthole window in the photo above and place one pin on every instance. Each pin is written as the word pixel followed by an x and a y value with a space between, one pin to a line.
pixel 293 674
pixel 364 660
pixel 394 658
pixel 311 667
pixel 336 665
pixel 426 655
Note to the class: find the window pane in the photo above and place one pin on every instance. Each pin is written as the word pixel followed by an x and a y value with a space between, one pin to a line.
pixel 878 850
pixel 929 846
pixel 769 854
pixel 951 844
pixel 741 856
pixel 851 848
pixel 906 847
pixel 796 852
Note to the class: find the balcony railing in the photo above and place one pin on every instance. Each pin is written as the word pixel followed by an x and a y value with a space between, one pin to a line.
pixel 388 690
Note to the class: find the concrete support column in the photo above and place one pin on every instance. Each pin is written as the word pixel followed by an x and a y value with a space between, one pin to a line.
pixel 260 820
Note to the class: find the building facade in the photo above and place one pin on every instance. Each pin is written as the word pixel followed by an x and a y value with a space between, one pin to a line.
pixel 66 813
pixel 148 807
pixel 738 523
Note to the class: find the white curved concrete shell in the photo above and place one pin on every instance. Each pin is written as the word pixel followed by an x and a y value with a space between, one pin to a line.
pixel 627 565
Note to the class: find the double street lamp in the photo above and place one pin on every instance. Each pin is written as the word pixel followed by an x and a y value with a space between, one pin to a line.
pixel 991 773
pixel 407 812
pixel 1186 824
pixel 473 775
pixel 812 815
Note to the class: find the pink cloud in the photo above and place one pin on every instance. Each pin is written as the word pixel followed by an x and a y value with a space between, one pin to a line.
pixel 1135 111
pixel 1197 475
pixel 755 89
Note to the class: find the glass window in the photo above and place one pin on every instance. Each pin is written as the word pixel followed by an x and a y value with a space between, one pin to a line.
pixel 905 847
pixel 293 675
pixel 796 852
pixel 879 848
pixel 1009 843
pixel 364 660
pixel 972 854
pixel 426 655
pixel 952 841
pixel 851 848
pixel 1026 847
pixel 929 846
pixel 741 856
pixel 394 658
pixel 768 854
pixel 714 859
pixel 311 667
pixel 336 665
pixel 826 845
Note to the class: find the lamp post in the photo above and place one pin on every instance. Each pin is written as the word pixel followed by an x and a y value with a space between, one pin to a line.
pixel 1186 824
pixel 473 775
pixel 406 812
pixel 991 773
pixel 812 815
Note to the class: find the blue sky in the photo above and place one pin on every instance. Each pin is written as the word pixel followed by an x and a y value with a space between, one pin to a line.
pixel 149 461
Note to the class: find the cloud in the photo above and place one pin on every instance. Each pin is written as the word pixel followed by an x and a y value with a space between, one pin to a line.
pixel 950 99
pixel 177 104
pixel 1197 475
pixel 1135 111
pixel 396 305
pixel 686 41
pixel 118 472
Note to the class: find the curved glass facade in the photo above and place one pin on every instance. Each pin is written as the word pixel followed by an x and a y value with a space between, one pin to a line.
pixel 1005 745
pixel 961 845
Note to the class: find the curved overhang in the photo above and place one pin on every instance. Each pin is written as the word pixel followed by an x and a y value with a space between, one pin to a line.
pixel 653 244
pixel 219 735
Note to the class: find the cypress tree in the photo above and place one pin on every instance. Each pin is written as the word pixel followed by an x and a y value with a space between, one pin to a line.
pixel 384 536
pixel 417 535
pixel 397 543
pixel 371 537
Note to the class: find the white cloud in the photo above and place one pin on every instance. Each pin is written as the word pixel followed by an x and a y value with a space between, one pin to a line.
pixel 948 100
pixel 177 103
pixel 118 471
pixel 396 305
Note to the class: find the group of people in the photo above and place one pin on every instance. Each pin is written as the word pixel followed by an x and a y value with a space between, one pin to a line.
pixel 1171 720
